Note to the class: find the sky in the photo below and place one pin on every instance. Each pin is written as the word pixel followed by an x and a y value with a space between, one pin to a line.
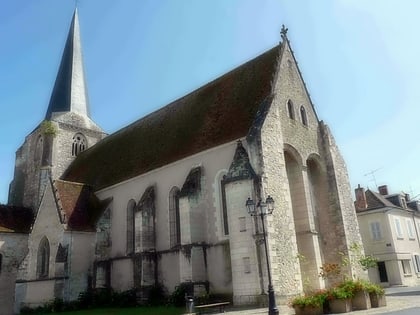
pixel 359 59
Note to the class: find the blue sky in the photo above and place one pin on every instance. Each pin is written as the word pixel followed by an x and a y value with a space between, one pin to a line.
pixel 359 60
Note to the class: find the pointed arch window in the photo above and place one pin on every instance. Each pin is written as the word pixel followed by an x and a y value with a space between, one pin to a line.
pixel 290 109
pixel 79 144
pixel 43 259
pixel 303 116
pixel 130 226
pixel 174 224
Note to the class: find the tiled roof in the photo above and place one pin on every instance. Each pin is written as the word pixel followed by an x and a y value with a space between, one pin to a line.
pixel 376 200
pixel 80 208
pixel 15 219
pixel 217 113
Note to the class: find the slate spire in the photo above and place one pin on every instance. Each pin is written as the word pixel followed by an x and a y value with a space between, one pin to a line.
pixel 70 92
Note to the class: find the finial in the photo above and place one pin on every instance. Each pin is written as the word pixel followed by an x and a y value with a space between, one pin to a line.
pixel 283 31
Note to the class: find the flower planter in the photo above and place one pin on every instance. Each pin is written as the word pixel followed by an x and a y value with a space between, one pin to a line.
pixel 340 305
pixel 308 310
pixel 361 300
pixel 377 300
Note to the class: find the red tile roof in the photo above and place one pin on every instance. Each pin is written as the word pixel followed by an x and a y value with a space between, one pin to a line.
pixel 80 208
pixel 217 113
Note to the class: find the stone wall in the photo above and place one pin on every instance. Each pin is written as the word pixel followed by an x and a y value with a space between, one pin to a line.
pixel 13 248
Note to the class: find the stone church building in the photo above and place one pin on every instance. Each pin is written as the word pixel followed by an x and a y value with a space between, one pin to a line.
pixel 163 200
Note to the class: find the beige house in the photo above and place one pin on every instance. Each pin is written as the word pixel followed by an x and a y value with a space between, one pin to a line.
pixel 390 226
pixel 163 199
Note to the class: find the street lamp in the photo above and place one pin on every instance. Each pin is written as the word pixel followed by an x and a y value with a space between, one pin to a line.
pixel 263 209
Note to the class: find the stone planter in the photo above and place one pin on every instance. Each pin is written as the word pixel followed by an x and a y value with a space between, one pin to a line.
pixel 340 305
pixel 377 300
pixel 361 301
pixel 308 310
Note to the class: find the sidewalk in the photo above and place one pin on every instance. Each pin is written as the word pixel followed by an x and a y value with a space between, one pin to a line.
pixel 395 302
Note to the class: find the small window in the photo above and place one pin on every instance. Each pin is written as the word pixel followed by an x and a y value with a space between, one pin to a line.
pixel 398 228
pixel 290 110
pixel 79 144
pixel 410 229
pixel 242 224
pixel 247 264
pixel 406 266
pixel 375 229
pixel 416 261
pixel 39 149
pixel 303 116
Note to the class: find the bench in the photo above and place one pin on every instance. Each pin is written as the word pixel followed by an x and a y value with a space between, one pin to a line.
pixel 220 306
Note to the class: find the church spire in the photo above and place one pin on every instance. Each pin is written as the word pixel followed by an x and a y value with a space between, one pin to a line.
pixel 70 93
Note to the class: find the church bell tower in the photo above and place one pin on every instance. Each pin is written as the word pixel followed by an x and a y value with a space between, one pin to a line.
pixel 66 131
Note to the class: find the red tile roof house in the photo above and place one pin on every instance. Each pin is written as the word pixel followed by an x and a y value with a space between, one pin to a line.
pixel 163 199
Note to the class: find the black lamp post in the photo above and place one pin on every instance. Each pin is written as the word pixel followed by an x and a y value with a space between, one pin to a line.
pixel 263 209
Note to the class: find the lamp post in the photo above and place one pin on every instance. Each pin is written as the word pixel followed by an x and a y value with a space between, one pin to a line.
pixel 263 209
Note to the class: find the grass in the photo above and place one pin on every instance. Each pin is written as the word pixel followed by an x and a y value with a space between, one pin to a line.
pixel 158 310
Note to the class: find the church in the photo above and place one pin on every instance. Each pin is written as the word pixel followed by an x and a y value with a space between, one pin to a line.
pixel 163 200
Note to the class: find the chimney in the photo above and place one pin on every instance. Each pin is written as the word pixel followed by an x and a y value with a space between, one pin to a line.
pixel 383 190
pixel 361 203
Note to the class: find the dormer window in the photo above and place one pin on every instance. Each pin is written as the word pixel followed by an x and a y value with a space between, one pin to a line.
pixel 290 110
pixel 79 144
pixel 403 203
pixel 303 116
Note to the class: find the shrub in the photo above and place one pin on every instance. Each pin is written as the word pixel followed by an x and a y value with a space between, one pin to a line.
pixel 317 298
pixel 375 289
pixel 341 293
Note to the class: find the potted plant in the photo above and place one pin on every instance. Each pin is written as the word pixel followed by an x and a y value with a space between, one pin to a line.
pixel 340 299
pixel 310 304
pixel 376 294
pixel 361 299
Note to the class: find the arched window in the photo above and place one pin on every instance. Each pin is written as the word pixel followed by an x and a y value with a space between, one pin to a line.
pixel 303 116
pixel 79 144
pixel 38 149
pixel 290 109
pixel 174 224
pixel 43 260
pixel 130 226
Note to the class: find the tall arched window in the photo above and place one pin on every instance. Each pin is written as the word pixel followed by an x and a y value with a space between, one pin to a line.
pixel 290 109
pixel 79 144
pixel 130 226
pixel 174 224
pixel 43 259
pixel 303 116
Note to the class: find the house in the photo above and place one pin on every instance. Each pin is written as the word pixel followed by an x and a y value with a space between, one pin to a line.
pixel 163 199
pixel 390 226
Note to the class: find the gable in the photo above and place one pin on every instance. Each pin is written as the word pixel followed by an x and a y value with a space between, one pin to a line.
pixel 219 112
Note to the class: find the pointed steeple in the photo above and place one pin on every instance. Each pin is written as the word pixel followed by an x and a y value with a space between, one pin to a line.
pixel 70 93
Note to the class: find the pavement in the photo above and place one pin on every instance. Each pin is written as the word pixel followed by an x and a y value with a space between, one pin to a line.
pixel 399 300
